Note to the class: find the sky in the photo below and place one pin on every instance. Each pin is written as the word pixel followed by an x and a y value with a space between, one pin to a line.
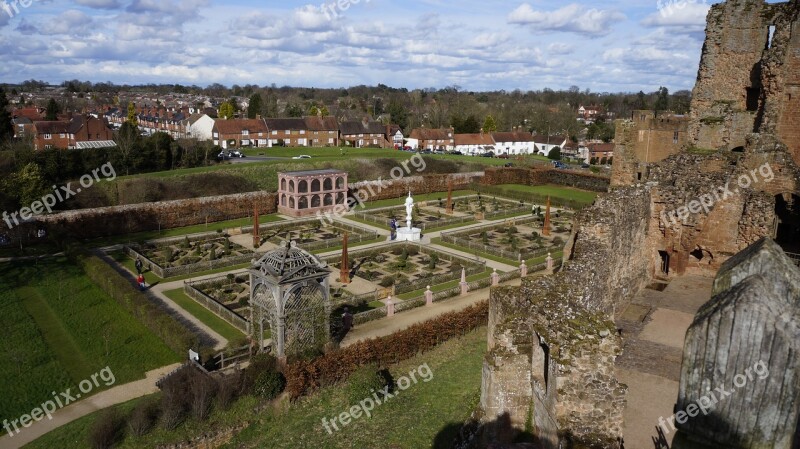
pixel 610 46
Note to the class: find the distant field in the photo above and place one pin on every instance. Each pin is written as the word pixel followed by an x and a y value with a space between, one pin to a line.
pixel 60 328
pixel 567 193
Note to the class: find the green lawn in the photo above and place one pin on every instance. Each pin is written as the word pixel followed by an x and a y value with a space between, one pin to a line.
pixel 209 318
pixel 425 415
pixel 177 232
pixel 59 328
pixel 555 191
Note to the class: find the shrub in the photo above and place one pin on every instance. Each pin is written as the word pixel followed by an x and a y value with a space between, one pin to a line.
pixel 229 388
pixel 269 385
pixel 213 254
pixel 143 417
pixel 363 382
pixel 558 241
pixel 387 281
pixel 202 391
pixel 106 430
pixel 186 243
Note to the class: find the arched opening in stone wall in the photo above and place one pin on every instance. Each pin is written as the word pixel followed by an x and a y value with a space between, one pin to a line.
pixel 787 228
pixel 738 150
pixel 664 255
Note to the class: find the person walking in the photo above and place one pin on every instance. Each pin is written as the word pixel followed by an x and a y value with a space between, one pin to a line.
pixel 141 282
pixel 138 265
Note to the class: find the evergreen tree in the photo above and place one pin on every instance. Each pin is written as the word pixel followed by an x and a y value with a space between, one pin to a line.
pixel 662 101
pixel 132 118
pixel 489 124
pixel 52 110
pixel 255 107
pixel 6 128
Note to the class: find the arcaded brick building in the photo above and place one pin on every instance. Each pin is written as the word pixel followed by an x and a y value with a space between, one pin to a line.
pixel 304 193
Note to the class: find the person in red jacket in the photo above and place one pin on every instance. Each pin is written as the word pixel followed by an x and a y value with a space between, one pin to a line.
pixel 140 280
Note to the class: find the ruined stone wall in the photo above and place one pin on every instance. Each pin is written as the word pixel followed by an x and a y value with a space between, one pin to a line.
pixel 747 82
pixel 737 216
pixel 643 140
pixel 729 78
pixel 117 220
pixel 781 78
pixel 569 314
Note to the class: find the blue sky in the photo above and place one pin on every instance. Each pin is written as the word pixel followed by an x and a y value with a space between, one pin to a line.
pixel 616 45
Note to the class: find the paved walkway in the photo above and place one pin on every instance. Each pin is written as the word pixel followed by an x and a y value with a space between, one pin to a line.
pixel 654 328
pixel 99 401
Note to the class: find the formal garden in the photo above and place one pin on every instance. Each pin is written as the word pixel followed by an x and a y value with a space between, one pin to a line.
pixel 432 214
pixel 189 254
pixel 515 240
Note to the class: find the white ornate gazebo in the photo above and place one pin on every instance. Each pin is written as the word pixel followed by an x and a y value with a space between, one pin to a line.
pixel 290 291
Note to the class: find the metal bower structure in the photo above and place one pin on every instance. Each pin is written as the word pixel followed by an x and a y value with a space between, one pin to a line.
pixel 290 291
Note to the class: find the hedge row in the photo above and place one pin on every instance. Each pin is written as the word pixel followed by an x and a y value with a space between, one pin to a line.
pixel 303 377
pixel 174 334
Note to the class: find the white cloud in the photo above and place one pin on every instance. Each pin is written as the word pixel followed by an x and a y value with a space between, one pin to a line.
pixel 573 18
pixel 687 15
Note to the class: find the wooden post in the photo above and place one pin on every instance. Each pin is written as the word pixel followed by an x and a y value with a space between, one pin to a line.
pixel 546 227
pixel 256 226
pixel 344 274
pixel 449 209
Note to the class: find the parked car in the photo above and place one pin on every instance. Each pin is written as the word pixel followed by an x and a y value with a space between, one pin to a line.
pixel 456 153
pixel 585 166
pixel 488 154
pixel 236 153
pixel 440 151
pixel 302 156
pixel 560 165
pixel 504 156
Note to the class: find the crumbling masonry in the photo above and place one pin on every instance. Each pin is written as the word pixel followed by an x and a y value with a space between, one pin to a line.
pixel 549 371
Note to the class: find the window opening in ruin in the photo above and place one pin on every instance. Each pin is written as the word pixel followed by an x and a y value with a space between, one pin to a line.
pixel 639 176
pixel 753 93
pixel 787 232
pixel 770 36
pixel 738 150
pixel 546 350
pixel 664 261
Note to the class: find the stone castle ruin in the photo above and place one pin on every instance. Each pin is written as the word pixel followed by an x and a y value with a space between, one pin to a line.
pixel 549 371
